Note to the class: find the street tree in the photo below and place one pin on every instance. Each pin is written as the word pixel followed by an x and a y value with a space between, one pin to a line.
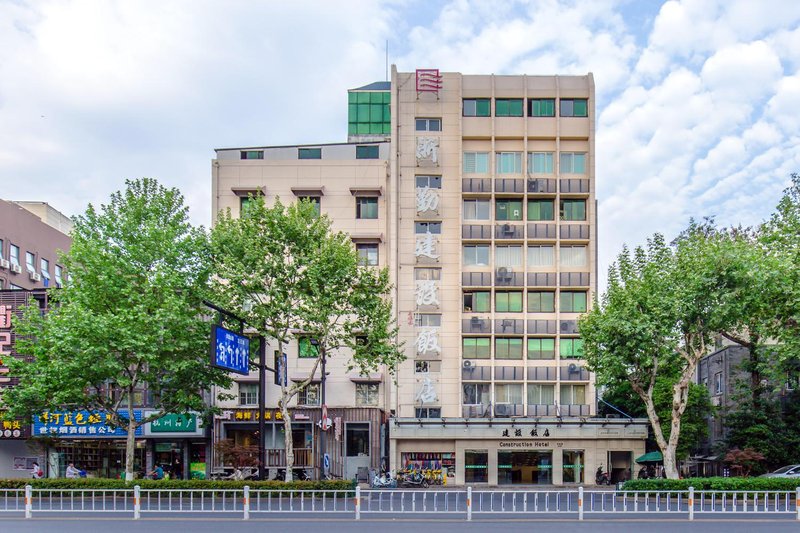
pixel 284 271
pixel 129 322
pixel 656 321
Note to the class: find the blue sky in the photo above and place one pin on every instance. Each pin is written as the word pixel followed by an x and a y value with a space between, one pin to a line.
pixel 697 100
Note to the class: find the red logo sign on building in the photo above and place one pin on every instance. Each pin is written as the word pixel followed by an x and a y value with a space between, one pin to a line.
pixel 428 80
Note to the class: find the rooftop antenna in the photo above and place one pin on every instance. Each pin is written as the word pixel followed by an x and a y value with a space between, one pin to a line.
pixel 387 59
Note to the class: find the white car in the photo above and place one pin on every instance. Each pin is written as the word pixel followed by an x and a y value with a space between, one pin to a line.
pixel 786 471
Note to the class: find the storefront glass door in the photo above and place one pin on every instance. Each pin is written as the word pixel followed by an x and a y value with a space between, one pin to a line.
pixel 525 467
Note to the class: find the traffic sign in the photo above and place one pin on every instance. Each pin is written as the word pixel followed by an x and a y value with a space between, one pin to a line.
pixel 229 350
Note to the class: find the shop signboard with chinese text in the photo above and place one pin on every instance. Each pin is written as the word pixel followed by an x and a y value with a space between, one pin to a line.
pixel 80 424
pixel 230 350
pixel 174 425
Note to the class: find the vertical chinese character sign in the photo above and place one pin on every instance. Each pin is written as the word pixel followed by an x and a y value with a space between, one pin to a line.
pixel 429 80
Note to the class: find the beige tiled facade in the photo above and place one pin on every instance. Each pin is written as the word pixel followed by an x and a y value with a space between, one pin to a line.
pixel 488 227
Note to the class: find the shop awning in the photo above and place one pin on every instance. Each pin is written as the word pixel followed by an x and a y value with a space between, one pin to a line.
pixel 651 457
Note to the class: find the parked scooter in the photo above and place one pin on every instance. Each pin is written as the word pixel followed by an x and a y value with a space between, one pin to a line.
pixel 384 481
pixel 601 478
pixel 298 474
pixel 414 479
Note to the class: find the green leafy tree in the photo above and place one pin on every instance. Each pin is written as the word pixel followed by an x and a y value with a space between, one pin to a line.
pixel 694 425
pixel 284 271
pixel 128 322
pixel 655 322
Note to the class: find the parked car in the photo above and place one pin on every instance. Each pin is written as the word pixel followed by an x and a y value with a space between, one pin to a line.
pixel 786 471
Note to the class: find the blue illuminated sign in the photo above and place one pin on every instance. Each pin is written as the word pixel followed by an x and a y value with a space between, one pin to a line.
pixel 72 424
pixel 229 350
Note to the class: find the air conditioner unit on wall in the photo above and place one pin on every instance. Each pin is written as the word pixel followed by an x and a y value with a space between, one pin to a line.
pixel 16 268
pixel 35 276
pixel 501 410
pixel 467 364
pixel 4 263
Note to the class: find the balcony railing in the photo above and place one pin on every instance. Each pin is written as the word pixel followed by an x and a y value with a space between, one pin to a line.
pixel 277 457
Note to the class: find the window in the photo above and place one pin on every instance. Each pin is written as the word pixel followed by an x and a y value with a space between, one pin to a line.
pixel 428 124
pixel 309 153
pixel 540 210
pixel 507 348
pixel 508 209
pixel 428 412
pixel 573 210
pixel 476 394
pixel 476 255
pixel 508 256
pixel 540 162
pixel 427 321
pixel 428 273
pixel 540 394
pixel 366 394
pixel 59 276
pixel 367 151
pixel 476 162
pixel 574 107
pixel 30 262
pixel 307 348
pixel 476 107
pixel 541 256
pixel 509 162
pixel 573 163
pixel 422 367
pixel 248 393
pixel 421 228
pixel 475 348
pixel 541 348
pixel 367 253
pixel 433 182
pixel 573 256
pixel 541 301
pixel 573 394
pixel 476 209
pixel 14 254
pixel 508 302
pixel 309 395
pixel 572 302
pixel 1 249
pixel 571 348
pixel 718 383
pixel 356 437
pixel 369 113
pixel 45 268
pixel 508 107
pixel 245 202
pixel 366 207
pixel 477 302
pixel 313 200
pixel 542 107
pixel 508 393
pixel 252 154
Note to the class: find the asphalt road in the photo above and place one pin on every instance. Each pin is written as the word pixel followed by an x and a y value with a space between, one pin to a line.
pixel 208 524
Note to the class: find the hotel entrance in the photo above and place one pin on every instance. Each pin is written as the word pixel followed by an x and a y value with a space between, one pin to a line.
pixel 525 467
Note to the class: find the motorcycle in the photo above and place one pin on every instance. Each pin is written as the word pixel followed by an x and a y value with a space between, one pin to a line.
pixel 384 481
pixel 601 478
pixel 298 474
pixel 414 479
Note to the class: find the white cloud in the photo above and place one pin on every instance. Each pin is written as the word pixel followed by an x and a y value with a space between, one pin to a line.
pixel 697 99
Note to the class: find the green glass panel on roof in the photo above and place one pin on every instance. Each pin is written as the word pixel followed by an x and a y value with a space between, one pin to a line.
pixel 387 128
pixel 363 112
pixel 352 128
pixel 376 113
pixel 363 128
pixel 376 98
pixel 352 98
pixel 387 97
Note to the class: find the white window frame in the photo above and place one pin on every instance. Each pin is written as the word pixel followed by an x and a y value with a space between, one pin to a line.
pixel 476 162
pixel 473 208
pixel 515 158
pixel 367 394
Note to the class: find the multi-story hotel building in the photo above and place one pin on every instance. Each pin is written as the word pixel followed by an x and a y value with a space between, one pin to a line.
pixel 478 194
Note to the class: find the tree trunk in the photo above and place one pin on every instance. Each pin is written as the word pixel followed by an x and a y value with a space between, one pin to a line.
pixel 130 446
pixel 287 437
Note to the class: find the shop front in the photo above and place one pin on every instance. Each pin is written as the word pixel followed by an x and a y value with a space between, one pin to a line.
pixel 535 452
pixel 177 443
pixel 353 442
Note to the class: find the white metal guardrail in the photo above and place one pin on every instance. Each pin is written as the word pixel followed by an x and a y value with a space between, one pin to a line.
pixel 399 502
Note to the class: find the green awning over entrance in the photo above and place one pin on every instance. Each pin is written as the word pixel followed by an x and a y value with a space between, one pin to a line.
pixel 651 457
